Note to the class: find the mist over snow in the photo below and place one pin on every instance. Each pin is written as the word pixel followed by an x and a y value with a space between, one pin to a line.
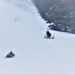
pixel 22 31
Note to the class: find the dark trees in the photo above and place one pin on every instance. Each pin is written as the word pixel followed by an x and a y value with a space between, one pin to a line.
pixel 59 12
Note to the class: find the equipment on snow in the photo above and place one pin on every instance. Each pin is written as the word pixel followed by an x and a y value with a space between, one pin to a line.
pixel 48 35
pixel 10 55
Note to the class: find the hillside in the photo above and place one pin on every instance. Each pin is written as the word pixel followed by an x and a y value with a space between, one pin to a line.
pixel 22 31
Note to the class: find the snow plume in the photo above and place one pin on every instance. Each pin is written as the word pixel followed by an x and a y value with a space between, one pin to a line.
pixel 29 7
pixel 24 4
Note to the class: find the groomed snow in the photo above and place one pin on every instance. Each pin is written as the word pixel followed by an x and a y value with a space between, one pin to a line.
pixel 22 32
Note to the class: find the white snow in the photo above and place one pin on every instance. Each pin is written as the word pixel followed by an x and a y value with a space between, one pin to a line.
pixel 22 32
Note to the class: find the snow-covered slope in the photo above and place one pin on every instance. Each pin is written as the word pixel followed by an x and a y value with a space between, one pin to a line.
pixel 22 32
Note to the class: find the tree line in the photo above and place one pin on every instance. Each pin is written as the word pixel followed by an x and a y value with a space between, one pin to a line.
pixel 60 14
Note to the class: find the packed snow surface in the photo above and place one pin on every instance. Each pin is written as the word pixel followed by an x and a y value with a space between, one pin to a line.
pixel 22 31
